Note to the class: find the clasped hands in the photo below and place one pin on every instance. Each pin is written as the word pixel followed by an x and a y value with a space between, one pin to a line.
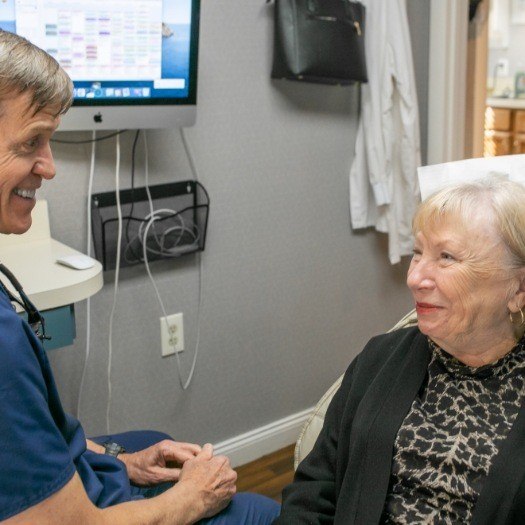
pixel 159 463
pixel 188 464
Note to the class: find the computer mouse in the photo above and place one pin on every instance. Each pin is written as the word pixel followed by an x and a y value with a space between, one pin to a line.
pixel 78 262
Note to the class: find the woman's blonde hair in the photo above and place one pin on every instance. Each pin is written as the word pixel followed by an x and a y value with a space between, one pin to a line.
pixel 463 202
pixel 25 67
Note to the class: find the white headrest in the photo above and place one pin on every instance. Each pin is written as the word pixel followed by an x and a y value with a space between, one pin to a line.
pixel 433 178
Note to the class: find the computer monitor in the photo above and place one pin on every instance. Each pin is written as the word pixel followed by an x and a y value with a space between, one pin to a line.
pixel 133 62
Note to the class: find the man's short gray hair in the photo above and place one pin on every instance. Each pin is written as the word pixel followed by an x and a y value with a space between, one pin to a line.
pixel 25 67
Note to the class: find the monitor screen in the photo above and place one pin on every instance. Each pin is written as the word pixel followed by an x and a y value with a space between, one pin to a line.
pixel 133 62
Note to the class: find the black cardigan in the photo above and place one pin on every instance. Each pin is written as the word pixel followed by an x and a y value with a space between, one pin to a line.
pixel 344 480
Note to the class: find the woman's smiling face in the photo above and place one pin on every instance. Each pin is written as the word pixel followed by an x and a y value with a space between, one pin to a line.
pixel 462 285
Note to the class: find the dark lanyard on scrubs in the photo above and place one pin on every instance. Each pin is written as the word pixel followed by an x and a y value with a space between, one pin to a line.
pixel 34 317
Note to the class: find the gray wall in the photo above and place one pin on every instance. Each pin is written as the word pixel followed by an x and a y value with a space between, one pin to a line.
pixel 291 294
pixel 419 19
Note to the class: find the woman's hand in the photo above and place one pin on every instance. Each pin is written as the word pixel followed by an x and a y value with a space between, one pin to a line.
pixel 159 463
pixel 212 478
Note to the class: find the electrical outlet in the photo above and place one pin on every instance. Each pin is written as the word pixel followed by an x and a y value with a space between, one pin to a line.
pixel 171 334
pixel 503 65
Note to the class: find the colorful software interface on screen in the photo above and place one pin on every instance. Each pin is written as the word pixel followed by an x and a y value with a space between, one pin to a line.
pixel 113 50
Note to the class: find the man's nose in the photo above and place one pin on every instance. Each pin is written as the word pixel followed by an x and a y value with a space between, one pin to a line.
pixel 45 165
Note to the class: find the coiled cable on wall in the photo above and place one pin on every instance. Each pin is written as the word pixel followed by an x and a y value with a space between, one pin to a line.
pixel 168 241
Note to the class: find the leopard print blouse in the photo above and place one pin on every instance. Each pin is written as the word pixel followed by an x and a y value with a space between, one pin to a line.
pixel 445 445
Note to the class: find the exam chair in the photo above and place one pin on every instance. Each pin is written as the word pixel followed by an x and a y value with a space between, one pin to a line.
pixel 313 425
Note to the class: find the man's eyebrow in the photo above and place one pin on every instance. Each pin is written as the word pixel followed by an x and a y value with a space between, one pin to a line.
pixel 38 128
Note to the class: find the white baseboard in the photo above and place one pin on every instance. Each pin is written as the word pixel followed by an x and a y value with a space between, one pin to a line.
pixel 264 440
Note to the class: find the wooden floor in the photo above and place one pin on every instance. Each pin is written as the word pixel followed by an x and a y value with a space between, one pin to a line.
pixel 267 475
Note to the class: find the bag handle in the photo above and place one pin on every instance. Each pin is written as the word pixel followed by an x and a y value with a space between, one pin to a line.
pixel 312 14
pixel 322 18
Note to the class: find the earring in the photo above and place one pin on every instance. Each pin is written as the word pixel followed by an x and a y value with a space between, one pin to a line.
pixel 522 317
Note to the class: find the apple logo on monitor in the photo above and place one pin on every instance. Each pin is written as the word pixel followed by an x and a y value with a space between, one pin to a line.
pixel 97 117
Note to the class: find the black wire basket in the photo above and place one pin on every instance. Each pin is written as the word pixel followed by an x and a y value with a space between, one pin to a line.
pixel 158 222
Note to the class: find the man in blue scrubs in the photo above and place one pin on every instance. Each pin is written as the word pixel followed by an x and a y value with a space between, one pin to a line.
pixel 49 472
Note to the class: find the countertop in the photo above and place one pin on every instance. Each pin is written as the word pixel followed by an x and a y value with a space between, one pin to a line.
pixel 32 259
pixel 507 103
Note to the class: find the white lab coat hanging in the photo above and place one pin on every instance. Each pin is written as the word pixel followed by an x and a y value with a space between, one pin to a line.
pixel 384 190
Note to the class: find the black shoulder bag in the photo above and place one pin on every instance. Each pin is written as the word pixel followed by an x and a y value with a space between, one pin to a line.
pixel 319 41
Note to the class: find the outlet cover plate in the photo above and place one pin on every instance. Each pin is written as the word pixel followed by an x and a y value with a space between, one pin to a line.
pixel 172 334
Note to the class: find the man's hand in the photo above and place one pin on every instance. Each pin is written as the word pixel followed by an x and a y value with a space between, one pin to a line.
pixel 158 463
pixel 206 486
pixel 212 478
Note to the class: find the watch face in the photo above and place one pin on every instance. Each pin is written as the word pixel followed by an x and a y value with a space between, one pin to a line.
pixel 113 449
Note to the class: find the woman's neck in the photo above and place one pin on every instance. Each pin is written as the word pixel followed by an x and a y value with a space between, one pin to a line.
pixel 478 355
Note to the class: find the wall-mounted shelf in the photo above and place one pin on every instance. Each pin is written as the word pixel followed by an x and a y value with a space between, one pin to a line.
pixel 181 209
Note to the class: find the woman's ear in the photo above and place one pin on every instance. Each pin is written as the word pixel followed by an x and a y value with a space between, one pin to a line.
pixel 517 301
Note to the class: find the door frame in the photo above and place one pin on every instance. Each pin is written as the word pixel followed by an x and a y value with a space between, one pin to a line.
pixel 447 80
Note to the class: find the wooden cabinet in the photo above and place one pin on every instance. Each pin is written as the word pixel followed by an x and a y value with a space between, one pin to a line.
pixel 519 143
pixel 498 119
pixel 504 131
pixel 497 143
pixel 519 121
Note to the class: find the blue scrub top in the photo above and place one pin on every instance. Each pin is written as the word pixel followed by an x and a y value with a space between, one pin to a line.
pixel 41 446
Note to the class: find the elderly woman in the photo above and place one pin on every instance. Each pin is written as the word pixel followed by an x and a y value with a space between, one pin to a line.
pixel 429 423
pixel 49 473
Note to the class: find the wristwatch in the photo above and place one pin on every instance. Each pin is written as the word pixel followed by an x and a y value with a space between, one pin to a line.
pixel 113 449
